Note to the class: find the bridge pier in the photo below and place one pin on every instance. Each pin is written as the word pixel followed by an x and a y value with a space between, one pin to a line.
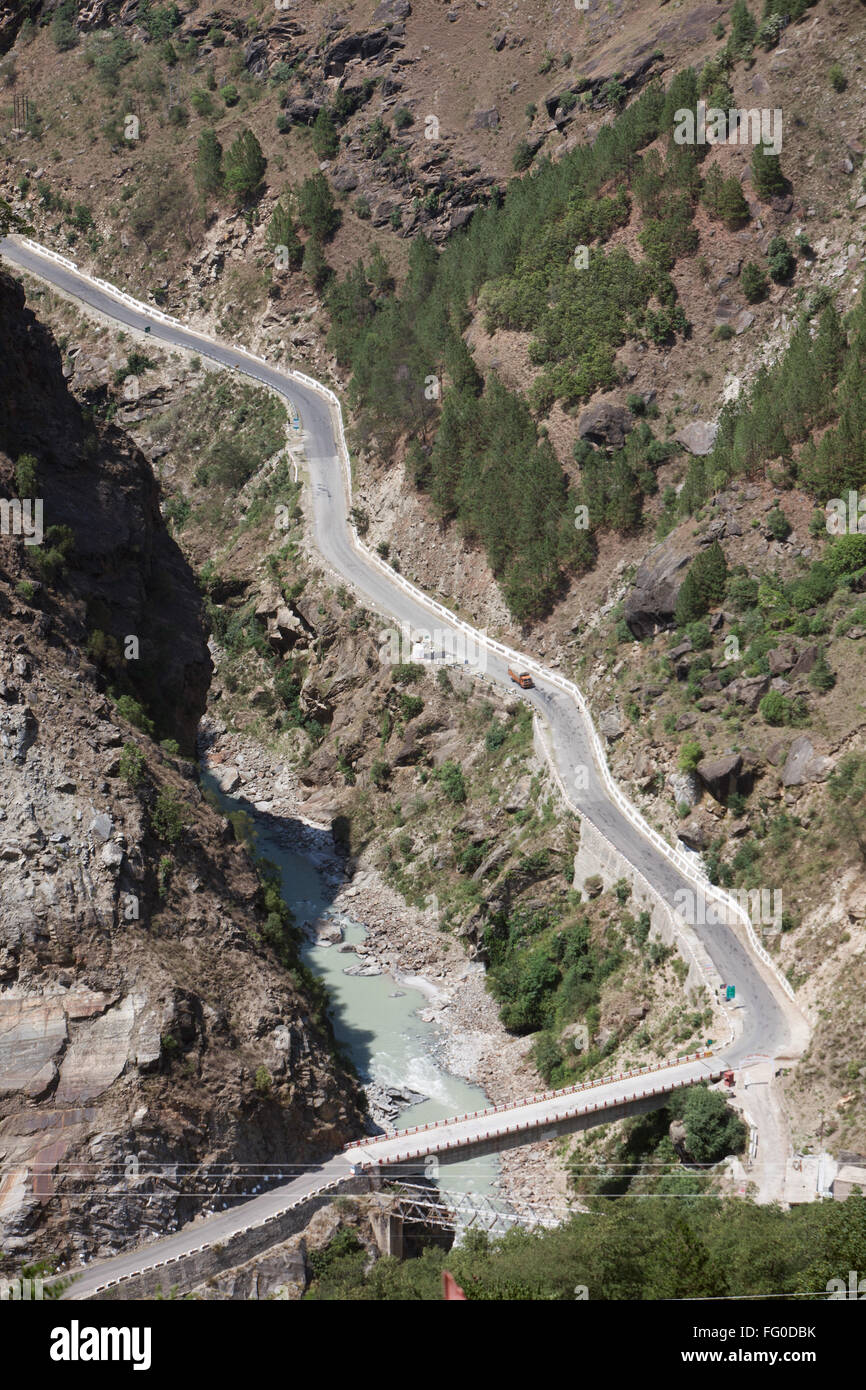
pixel 387 1226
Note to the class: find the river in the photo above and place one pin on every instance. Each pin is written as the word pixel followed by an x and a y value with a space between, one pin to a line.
pixel 376 1017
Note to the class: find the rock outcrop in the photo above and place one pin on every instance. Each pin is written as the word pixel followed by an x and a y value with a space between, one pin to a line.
pixel 152 1042
pixel 605 422
pixel 653 599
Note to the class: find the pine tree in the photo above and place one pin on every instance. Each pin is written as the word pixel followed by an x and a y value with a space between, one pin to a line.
pixel 753 281
pixel 316 208
pixel 245 166
pixel 326 141
pixel 703 586
pixel 821 677
pixel 711 573
pixel 744 27
pixel 208 171
pixel 283 232
pixel 733 208
pixel 767 173
pixel 315 265
pixel 625 503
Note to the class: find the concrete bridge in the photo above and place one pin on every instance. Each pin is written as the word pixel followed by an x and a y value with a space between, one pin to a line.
pixel 208 1245
pixel 540 1117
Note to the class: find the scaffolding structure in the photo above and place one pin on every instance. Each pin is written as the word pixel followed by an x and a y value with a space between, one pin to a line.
pixel 22 110
pixel 475 1211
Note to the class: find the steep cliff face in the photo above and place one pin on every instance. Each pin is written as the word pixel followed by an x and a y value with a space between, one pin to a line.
pixel 124 577
pixel 150 1042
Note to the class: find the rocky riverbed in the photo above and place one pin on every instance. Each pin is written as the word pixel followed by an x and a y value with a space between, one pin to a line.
pixel 404 942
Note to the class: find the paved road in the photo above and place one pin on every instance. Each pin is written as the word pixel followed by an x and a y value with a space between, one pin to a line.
pixel 764 1027
pixel 209 1230
pixel 537 1118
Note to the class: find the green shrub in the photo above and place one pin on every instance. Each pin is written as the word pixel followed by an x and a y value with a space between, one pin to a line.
pixel 410 706
pixel 691 754
pixel 25 475
pixel 450 775
pixel 129 708
pixel 743 592
pixel 778 524
pixel 774 708
pixel 838 80
pixel 49 560
pixel 406 672
pixel 780 259
pixel 846 554
pixel 133 764
pixel 753 282
pixel 168 817
pixel 495 737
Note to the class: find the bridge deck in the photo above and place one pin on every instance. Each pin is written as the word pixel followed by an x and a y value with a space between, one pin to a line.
pixel 537 1114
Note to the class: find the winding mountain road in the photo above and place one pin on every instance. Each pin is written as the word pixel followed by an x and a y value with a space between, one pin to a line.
pixel 763 1012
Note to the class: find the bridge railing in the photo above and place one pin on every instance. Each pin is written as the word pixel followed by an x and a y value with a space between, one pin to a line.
pixel 540 1098
pixel 546 1122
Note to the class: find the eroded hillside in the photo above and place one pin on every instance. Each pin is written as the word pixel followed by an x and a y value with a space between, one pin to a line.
pixel 155 1028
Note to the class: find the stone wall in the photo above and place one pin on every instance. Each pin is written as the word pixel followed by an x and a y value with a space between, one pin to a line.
pixel 197 1267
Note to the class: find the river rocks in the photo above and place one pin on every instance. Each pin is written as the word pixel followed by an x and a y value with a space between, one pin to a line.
pixel 330 934
pixel 388 1102
pixel 228 779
